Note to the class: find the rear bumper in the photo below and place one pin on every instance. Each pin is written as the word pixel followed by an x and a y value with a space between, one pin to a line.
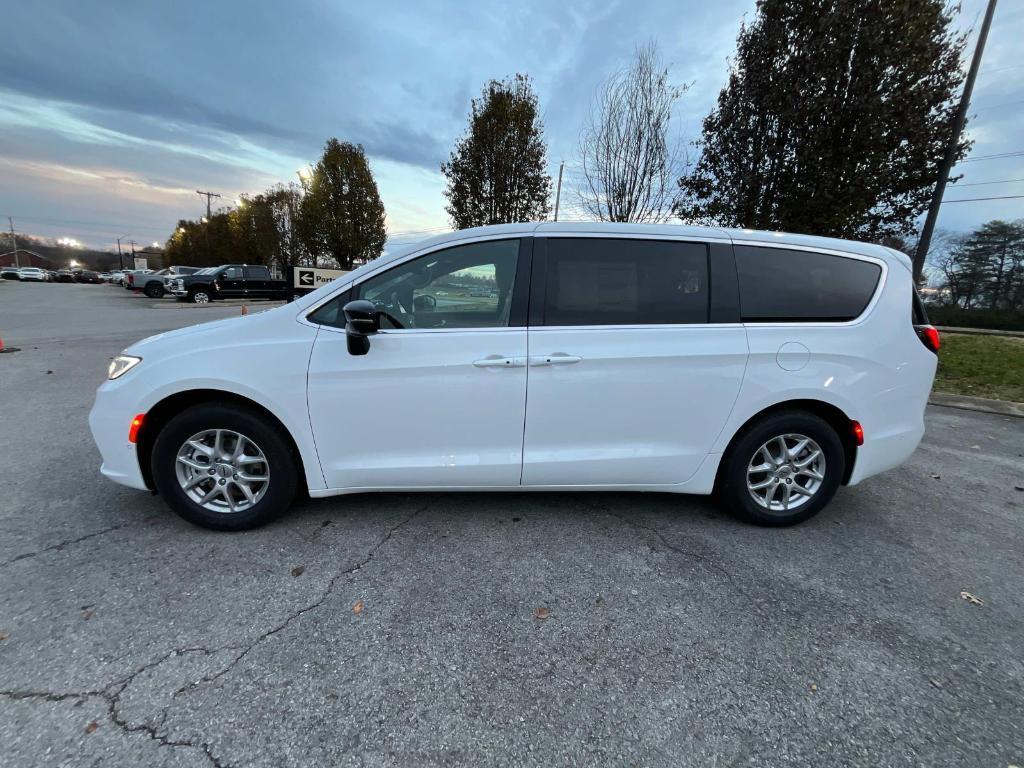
pixel 885 451
pixel 109 422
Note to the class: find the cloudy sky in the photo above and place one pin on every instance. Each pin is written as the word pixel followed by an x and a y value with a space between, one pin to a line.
pixel 113 113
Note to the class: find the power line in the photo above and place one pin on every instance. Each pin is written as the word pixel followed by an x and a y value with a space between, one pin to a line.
pixel 208 196
pixel 999 156
pixel 985 183
pixel 973 199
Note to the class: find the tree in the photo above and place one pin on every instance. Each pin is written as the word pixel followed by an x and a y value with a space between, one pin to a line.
pixel 497 171
pixel 985 269
pixel 834 119
pixel 630 159
pixel 342 213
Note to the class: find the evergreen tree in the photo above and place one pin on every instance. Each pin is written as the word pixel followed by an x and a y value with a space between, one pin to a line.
pixel 497 172
pixel 342 213
pixel 833 121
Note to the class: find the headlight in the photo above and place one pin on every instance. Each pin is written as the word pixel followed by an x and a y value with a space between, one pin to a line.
pixel 121 364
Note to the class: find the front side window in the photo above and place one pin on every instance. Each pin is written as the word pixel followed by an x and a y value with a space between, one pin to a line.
pixel 231 273
pixel 597 281
pixel 466 286
pixel 783 285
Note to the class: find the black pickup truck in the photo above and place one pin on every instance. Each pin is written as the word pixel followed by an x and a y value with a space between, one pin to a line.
pixel 229 281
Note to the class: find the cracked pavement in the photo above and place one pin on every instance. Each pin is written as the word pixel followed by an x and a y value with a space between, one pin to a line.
pixel 676 636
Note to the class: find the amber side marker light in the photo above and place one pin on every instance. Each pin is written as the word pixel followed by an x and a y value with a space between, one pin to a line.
pixel 133 429
pixel 858 432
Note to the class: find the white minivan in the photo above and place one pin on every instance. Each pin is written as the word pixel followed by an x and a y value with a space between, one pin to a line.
pixel 767 368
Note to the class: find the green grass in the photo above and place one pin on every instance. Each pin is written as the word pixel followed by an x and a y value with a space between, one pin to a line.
pixel 982 366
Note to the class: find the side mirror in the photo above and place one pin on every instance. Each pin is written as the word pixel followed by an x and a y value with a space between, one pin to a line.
pixel 361 322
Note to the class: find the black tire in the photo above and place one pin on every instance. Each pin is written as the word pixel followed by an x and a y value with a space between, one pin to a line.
pixel 196 295
pixel 732 491
pixel 154 290
pixel 283 472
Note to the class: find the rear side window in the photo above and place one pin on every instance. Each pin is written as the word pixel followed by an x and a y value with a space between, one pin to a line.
pixel 596 281
pixel 781 285
pixel 257 273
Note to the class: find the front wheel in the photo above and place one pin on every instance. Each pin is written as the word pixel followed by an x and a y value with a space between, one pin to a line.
pixel 200 297
pixel 154 291
pixel 782 470
pixel 224 467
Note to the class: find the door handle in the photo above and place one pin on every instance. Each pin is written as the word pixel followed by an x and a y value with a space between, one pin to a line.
pixel 500 362
pixel 556 359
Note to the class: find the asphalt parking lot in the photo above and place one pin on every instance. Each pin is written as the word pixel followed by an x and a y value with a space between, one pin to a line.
pixel 506 629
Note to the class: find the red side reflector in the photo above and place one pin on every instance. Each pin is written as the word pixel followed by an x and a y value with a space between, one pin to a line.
pixel 858 432
pixel 929 336
pixel 133 430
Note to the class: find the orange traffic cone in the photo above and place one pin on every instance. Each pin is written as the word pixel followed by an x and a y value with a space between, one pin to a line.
pixel 245 309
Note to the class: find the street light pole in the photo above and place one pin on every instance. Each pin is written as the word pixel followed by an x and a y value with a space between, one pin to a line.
pixel 120 257
pixel 14 242
pixel 954 141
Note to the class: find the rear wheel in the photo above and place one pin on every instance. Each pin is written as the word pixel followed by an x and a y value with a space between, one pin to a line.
pixel 782 470
pixel 224 467
pixel 155 291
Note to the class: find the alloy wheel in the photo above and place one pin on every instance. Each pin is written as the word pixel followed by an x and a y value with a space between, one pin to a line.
pixel 786 472
pixel 222 470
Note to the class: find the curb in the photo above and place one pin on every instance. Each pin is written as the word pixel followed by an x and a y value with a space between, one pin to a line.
pixel 978 331
pixel 982 404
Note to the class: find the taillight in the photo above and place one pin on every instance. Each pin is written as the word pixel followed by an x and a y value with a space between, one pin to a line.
pixel 134 427
pixel 858 432
pixel 929 336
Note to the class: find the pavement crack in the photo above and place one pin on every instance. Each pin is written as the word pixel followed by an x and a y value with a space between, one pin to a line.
pixel 66 543
pixel 718 567
pixel 304 609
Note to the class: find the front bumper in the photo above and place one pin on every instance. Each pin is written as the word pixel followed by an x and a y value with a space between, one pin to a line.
pixel 109 420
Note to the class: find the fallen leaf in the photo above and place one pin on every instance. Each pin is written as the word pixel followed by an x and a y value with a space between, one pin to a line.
pixel 541 613
pixel 4 635
pixel 358 607
pixel 87 614
pixel 298 570
pixel 971 598
pixel 92 727
pixel 813 687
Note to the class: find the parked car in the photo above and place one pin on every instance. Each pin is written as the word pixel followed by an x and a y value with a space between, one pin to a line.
pixel 768 368
pixel 175 272
pixel 10 273
pixel 229 281
pixel 88 276
pixel 32 275
pixel 65 276
pixel 132 275
pixel 116 278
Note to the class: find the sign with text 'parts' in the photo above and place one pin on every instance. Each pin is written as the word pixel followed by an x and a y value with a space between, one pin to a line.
pixel 308 278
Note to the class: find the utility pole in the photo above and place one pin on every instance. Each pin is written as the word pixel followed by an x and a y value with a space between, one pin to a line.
pixel 208 196
pixel 120 257
pixel 14 242
pixel 954 140
pixel 558 190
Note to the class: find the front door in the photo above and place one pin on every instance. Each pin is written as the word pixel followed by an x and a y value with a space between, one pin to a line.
pixel 439 399
pixel 629 382
pixel 230 283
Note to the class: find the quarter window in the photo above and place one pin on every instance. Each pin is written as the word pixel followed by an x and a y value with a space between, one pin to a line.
pixel 596 281
pixel 781 285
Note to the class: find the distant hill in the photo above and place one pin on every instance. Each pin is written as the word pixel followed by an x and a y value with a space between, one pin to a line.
pixel 50 255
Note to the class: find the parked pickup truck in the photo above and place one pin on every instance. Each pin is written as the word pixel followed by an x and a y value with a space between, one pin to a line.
pixel 156 284
pixel 229 281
